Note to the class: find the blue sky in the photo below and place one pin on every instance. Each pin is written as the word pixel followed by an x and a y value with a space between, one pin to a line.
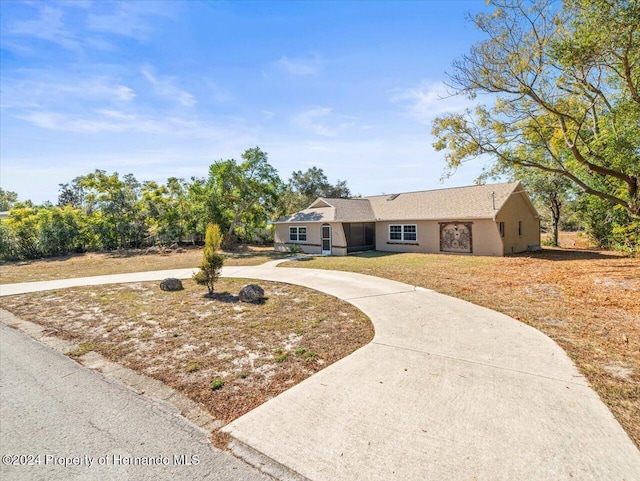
pixel 166 88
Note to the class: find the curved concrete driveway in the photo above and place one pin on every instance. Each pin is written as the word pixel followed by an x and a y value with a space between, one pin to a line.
pixel 446 391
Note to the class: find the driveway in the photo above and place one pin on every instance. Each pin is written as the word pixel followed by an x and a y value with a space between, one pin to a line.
pixel 446 390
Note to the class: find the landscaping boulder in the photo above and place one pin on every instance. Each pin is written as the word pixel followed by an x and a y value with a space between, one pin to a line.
pixel 171 284
pixel 251 293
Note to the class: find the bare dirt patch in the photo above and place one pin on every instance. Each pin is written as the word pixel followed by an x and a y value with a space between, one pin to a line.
pixel 120 262
pixel 226 355
pixel 587 301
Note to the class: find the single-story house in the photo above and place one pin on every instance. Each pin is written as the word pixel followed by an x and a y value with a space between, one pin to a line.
pixel 488 220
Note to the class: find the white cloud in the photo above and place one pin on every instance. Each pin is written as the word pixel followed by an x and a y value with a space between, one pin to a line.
pixel 129 19
pixel 219 94
pixel 165 87
pixel 38 88
pixel 311 121
pixel 324 122
pixel 429 100
pixel 48 26
pixel 299 67
pixel 109 121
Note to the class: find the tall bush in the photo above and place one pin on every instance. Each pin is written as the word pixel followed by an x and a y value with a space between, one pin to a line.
pixel 212 259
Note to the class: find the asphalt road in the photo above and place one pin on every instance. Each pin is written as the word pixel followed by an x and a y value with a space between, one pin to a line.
pixel 60 421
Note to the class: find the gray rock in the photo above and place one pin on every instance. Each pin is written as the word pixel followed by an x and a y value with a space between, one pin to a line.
pixel 251 293
pixel 171 284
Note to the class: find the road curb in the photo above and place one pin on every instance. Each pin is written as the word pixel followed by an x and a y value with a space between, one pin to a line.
pixel 139 383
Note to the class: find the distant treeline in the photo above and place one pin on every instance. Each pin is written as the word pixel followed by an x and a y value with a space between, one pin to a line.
pixel 101 211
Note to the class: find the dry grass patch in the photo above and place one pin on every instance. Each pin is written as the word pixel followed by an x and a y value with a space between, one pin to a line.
pixel 119 262
pixel 586 301
pixel 227 355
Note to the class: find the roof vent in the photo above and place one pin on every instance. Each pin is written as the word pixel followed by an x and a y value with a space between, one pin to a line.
pixel 392 197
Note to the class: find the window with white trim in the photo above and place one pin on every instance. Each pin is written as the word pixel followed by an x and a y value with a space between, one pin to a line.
pixel 403 232
pixel 298 234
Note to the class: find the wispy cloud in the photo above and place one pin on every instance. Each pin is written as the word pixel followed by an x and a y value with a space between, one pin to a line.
pixel 48 26
pixel 81 26
pixel 219 94
pixel 165 87
pixel 429 100
pixel 299 67
pixel 107 121
pixel 311 120
pixel 129 19
pixel 39 88
pixel 324 122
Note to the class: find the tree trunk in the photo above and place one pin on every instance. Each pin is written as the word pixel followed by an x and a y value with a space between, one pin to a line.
pixel 554 206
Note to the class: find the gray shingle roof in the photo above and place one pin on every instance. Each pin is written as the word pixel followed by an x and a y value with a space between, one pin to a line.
pixel 334 210
pixel 473 202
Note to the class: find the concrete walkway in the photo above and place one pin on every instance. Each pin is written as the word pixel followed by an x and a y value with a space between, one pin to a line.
pixel 446 391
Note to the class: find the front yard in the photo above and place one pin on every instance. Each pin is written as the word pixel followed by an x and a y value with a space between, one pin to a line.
pixel 227 355
pixel 587 301
pixel 119 262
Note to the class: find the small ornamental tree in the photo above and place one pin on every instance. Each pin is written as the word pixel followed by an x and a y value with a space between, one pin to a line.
pixel 212 259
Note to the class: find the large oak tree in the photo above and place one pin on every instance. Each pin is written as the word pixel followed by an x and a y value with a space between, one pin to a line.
pixel 563 81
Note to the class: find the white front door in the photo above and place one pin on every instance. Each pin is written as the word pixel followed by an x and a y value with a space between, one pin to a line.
pixel 326 240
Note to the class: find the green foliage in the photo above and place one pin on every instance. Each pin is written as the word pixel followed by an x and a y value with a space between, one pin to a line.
pixel 101 211
pixel 7 199
pixel 212 239
pixel 627 237
pixel 34 232
pixel 311 356
pixel 217 384
pixel 305 187
pixel 295 249
pixel 212 260
pixel 564 79
pixel 8 243
pixel 61 230
pixel 610 226
pixel 242 194
pixel 71 194
pixel 24 223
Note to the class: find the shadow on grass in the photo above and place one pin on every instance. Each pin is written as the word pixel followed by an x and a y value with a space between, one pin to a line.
pixel 250 254
pixel 559 254
pixel 374 254
pixel 364 255
pixel 229 298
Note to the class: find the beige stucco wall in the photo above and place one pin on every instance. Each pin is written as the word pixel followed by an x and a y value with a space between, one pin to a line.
pixel 515 210
pixel 313 243
pixel 485 237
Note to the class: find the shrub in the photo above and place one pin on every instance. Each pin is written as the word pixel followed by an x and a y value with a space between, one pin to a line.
pixel 295 249
pixel 212 260
pixel 217 384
